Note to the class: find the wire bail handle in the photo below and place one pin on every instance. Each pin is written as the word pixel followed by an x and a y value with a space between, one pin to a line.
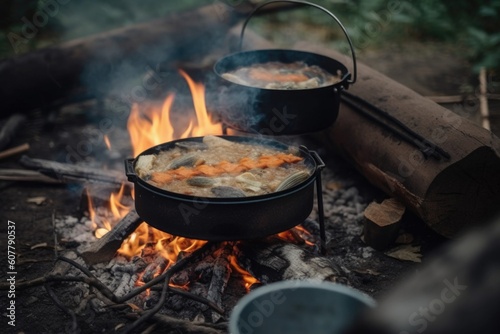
pixel 353 55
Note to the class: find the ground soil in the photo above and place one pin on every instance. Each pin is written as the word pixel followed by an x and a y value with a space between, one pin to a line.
pixel 428 69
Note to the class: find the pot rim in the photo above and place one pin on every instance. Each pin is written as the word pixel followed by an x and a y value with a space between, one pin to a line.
pixel 294 285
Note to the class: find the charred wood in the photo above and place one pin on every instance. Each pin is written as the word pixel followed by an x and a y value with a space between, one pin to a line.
pixel 25 176
pixel 273 260
pixel 220 277
pixel 73 173
pixel 105 248
pixel 188 327
pixel 156 267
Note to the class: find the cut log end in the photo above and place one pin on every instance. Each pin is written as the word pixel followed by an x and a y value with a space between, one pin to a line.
pixel 382 223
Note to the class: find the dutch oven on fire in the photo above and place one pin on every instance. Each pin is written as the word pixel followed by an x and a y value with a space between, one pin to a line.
pixel 273 111
pixel 220 219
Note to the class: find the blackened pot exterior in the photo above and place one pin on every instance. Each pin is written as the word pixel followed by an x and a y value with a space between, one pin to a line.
pixel 277 111
pixel 219 219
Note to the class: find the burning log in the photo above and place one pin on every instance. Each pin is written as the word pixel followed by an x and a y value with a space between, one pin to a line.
pixel 274 260
pixel 220 277
pixel 105 248
pixel 154 268
pixel 449 195
pixel 73 173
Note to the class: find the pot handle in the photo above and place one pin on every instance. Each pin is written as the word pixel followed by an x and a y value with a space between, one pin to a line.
pixel 320 164
pixel 353 54
pixel 319 161
pixel 129 170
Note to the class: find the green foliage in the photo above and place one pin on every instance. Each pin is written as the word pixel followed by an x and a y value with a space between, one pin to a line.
pixel 474 24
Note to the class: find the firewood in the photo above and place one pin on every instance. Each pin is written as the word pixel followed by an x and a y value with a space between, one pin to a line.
pixel 448 195
pixel 220 277
pixel 25 175
pixel 382 223
pixel 14 150
pixel 274 260
pixel 105 248
pixel 9 129
pixel 156 267
pixel 73 173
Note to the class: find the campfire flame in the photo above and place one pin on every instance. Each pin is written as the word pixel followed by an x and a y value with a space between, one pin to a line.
pixel 103 223
pixel 149 127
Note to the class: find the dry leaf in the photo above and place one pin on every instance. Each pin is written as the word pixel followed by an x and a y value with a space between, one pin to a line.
pixel 406 253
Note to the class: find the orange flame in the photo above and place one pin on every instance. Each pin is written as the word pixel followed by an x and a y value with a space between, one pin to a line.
pixel 107 142
pixel 118 210
pixel 153 126
pixel 148 128
pixel 246 276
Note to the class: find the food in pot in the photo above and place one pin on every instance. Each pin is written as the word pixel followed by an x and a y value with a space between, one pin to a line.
pixel 221 168
pixel 277 75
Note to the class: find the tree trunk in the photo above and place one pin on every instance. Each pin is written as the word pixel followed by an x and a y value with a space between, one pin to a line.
pixel 449 195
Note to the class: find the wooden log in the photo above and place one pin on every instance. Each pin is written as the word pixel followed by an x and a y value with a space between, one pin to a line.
pixel 382 223
pixel 53 72
pixel 450 196
pixel 73 173
pixel 14 150
pixel 220 277
pixel 104 249
pixel 25 175
pixel 156 267
pixel 274 260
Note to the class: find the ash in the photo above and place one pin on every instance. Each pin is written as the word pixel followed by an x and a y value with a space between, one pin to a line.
pixel 345 196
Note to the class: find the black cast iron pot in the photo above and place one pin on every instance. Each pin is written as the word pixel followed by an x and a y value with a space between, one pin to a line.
pixel 219 219
pixel 278 111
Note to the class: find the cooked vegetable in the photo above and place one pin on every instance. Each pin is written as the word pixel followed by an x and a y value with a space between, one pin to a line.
pixel 276 75
pixel 222 166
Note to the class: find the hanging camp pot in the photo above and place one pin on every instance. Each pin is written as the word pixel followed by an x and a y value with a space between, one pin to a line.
pixel 273 111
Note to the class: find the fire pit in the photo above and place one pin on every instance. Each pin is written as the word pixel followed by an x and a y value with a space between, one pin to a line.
pixel 105 270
